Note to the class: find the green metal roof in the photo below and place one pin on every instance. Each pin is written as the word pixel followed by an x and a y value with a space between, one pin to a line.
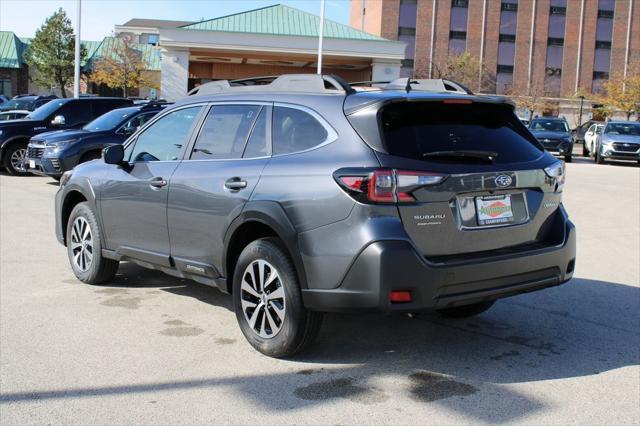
pixel 11 50
pixel 280 20
pixel 106 48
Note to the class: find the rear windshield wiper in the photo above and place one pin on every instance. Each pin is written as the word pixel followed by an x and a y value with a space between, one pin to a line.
pixel 483 156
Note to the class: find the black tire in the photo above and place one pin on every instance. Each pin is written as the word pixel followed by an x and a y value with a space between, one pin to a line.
pixel 100 269
pixel 299 327
pixel 568 158
pixel 7 156
pixel 599 159
pixel 466 310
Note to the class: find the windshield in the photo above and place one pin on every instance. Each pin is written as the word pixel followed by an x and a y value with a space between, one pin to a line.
pixel 109 120
pixel 549 126
pixel 46 110
pixel 629 129
pixel 20 103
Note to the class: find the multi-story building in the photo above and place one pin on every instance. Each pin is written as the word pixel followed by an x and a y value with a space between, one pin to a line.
pixel 555 48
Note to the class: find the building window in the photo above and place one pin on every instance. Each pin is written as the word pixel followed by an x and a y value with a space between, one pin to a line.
pixel 509 6
pixel 459 3
pixel 408 13
pixel 551 41
pixel 508 21
pixel 507 38
pixel 458 27
pixel 504 81
pixel 153 39
pixel 5 87
pixel 408 36
pixel 505 69
pixel 555 47
pixel 506 54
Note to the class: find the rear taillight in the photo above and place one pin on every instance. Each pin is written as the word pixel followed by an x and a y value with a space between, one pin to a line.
pixel 386 185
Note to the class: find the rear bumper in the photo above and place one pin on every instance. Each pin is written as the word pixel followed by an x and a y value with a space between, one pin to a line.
pixel 386 266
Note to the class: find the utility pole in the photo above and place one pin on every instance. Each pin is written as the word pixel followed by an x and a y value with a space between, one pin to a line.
pixel 320 36
pixel 76 71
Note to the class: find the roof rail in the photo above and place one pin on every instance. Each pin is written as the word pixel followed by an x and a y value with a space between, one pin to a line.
pixel 428 85
pixel 304 83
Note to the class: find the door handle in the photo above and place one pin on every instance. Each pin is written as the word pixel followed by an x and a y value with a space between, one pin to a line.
pixel 235 184
pixel 158 182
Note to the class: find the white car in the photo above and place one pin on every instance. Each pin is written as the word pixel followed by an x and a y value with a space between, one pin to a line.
pixel 591 139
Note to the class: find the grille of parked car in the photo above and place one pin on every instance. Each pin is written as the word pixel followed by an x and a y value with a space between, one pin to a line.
pixel 34 152
pixel 625 147
pixel 550 143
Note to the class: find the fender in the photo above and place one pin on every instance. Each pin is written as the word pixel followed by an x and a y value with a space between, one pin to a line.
pixel 3 145
pixel 272 214
pixel 83 186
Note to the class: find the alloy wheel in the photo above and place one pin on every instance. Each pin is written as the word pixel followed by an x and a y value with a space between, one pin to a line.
pixel 263 299
pixel 17 159
pixel 81 244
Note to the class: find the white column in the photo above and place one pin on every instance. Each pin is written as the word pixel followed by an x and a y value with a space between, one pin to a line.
pixel 385 70
pixel 174 78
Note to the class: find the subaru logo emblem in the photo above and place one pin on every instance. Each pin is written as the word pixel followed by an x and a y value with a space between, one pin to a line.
pixel 626 145
pixel 546 140
pixel 503 181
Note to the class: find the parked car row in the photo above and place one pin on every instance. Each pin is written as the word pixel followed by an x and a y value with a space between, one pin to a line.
pixel 613 140
pixel 68 131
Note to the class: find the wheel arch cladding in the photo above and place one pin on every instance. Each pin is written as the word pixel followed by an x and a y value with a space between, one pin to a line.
pixel 258 220
pixel 72 199
pixel 6 144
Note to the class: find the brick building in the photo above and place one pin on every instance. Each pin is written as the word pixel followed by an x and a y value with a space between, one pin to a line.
pixel 551 47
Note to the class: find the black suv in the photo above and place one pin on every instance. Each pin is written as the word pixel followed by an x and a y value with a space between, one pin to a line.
pixel 53 153
pixel 554 134
pixel 304 196
pixel 26 102
pixel 58 114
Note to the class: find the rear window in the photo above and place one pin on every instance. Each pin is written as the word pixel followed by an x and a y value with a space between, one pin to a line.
pixel 417 129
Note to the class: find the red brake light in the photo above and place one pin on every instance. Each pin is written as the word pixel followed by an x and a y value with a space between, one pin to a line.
pixel 457 101
pixel 388 185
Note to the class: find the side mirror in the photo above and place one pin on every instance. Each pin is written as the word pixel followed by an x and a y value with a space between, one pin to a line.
pixel 113 154
pixel 59 120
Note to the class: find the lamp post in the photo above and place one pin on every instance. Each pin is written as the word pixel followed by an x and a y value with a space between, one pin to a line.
pixel 76 68
pixel 580 113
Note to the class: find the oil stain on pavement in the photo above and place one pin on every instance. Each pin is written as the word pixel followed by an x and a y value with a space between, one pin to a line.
pixel 179 328
pixel 428 387
pixel 340 388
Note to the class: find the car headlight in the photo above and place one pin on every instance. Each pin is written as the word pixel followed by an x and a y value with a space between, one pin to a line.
pixel 557 172
pixel 54 148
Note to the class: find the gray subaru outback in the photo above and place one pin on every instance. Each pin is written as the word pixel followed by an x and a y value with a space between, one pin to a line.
pixel 309 195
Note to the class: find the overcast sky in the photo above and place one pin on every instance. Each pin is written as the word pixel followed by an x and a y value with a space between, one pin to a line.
pixel 23 17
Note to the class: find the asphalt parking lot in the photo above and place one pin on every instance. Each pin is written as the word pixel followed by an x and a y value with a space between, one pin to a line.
pixel 148 348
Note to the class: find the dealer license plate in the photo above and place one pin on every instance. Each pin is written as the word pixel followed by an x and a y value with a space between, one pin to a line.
pixel 494 210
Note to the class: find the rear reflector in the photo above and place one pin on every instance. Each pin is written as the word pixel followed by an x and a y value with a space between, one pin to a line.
pixel 400 297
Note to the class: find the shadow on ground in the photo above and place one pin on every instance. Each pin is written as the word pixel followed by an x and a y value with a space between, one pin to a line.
pixel 582 328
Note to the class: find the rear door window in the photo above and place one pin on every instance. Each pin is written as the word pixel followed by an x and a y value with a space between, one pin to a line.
pixel 295 130
pixel 225 132
pixel 419 130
